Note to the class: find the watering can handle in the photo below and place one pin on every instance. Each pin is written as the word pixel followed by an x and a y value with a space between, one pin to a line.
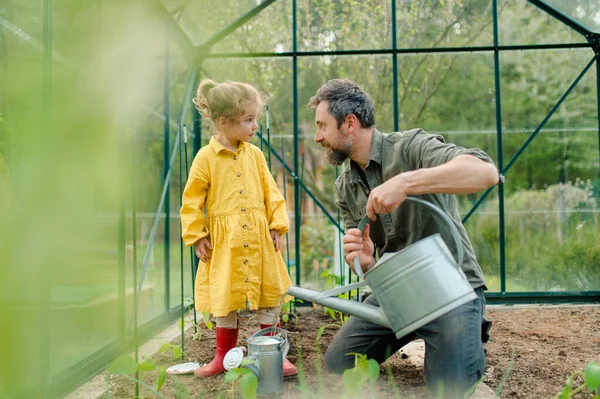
pixel 442 214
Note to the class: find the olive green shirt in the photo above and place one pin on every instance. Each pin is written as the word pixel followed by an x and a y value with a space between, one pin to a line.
pixel 392 154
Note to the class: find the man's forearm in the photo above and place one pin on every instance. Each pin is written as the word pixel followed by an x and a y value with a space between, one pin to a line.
pixel 464 174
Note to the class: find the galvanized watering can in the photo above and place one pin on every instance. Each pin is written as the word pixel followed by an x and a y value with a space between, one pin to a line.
pixel 267 349
pixel 413 286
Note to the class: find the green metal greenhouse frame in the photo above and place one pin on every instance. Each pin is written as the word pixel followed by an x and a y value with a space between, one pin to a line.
pixel 175 137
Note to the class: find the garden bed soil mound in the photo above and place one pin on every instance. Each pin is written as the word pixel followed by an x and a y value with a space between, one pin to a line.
pixel 533 349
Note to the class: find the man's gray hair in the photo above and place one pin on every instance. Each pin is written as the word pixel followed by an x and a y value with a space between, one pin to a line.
pixel 345 97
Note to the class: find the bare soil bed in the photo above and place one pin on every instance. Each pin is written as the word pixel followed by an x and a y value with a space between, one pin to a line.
pixel 532 349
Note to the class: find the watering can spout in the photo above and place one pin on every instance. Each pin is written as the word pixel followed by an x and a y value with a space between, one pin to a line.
pixel 363 311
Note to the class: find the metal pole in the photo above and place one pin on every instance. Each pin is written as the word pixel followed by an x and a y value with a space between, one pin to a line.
pixel 45 295
pixel 395 69
pixel 167 210
pixel 181 245
pixel 192 254
pixel 297 210
pixel 500 150
pixel 134 255
pixel 287 236
pixel 598 96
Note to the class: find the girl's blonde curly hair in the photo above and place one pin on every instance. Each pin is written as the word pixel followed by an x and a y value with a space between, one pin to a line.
pixel 228 99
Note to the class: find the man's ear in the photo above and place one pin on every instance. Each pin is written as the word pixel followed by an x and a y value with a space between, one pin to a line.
pixel 352 122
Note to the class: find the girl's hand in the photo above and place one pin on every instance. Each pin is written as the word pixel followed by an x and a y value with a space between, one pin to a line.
pixel 203 249
pixel 276 239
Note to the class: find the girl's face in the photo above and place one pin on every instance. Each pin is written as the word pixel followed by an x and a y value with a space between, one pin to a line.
pixel 243 128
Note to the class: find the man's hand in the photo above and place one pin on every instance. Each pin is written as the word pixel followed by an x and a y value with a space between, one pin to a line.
pixel 386 197
pixel 276 239
pixel 203 249
pixel 357 244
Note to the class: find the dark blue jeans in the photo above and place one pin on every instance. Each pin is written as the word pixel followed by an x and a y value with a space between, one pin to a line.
pixel 454 353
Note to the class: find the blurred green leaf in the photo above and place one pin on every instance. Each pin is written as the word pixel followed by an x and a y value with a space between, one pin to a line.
pixel 592 377
pixel 373 370
pixel 164 348
pixel 177 352
pixel 248 384
pixel 123 365
pixel 232 375
pixel 146 365
pixel 160 379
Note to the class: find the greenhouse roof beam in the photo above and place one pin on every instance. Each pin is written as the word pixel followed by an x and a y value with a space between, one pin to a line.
pixel 206 46
pixel 566 19
pixel 166 16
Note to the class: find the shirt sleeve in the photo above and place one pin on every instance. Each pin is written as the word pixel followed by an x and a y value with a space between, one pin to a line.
pixel 277 215
pixel 426 150
pixel 193 222
pixel 349 221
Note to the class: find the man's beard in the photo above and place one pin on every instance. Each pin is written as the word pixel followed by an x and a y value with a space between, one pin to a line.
pixel 337 157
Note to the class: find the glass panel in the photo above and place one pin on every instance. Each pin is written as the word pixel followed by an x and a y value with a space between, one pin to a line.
pixel 522 23
pixel 215 16
pixel 434 23
pixel 372 73
pixel 22 20
pixel 148 164
pixel 484 232
pixel 452 94
pixel 585 12
pixel 344 25
pixel 269 31
pixel 552 189
pixel 532 83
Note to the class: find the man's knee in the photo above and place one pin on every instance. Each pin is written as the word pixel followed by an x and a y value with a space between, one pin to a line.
pixel 337 362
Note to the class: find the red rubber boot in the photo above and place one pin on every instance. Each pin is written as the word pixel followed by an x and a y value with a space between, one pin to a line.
pixel 226 340
pixel 288 368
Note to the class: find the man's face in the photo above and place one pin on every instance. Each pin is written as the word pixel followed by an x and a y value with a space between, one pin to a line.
pixel 336 141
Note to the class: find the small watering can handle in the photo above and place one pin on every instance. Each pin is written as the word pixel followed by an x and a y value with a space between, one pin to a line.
pixel 442 214
pixel 357 268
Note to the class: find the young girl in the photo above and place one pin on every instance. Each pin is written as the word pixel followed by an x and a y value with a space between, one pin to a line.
pixel 238 240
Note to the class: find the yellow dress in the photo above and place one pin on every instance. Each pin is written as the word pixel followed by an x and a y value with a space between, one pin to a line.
pixel 242 203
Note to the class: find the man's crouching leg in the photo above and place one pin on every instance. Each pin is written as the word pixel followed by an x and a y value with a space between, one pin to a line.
pixel 364 337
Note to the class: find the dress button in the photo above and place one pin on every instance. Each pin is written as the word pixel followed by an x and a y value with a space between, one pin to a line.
pixel 245 280
pixel 239 174
pixel 234 157
pixel 241 191
pixel 246 262
pixel 245 226
pixel 243 209
pixel 245 245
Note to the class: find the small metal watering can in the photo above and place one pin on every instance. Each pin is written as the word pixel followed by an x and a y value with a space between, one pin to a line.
pixel 413 286
pixel 267 349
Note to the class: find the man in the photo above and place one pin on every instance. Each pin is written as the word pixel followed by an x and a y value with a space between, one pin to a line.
pixel 384 169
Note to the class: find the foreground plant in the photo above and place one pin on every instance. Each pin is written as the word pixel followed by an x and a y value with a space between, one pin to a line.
pixel 591 382
pixel 364 371
pixel 248 382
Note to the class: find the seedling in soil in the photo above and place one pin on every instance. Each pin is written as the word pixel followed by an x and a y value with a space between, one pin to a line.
pixel 364 371
pixel 591 377
pixel 248 382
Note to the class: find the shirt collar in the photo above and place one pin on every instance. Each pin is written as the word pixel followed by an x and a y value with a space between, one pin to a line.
pixel 376 155
pixel 218 147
